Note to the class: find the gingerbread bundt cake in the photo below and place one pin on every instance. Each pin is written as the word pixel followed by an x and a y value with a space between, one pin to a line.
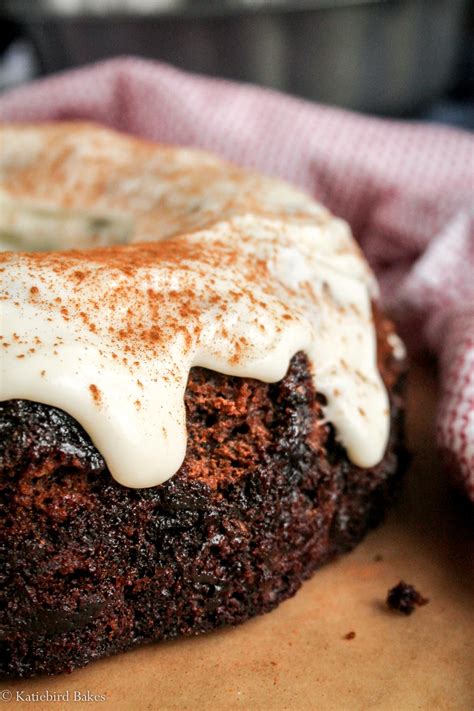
pixel 200 404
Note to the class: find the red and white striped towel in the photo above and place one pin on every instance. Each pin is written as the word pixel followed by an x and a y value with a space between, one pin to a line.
pixel 407 190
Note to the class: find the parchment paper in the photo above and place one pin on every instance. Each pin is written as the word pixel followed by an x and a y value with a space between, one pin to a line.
pixel 297 657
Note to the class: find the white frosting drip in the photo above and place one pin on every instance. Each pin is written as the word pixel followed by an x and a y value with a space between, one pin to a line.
pixel 110 335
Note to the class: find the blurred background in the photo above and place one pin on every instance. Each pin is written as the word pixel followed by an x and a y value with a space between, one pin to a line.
pixel 405 58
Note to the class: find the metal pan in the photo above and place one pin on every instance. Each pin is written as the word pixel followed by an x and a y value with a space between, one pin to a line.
pixel 388 57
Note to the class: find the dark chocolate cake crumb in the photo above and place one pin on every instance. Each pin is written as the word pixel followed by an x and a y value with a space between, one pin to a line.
pixel 350 635
pixel 405 598
pixel 265 496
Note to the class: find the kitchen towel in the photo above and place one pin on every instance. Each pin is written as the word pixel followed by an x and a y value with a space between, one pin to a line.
pixel 406 188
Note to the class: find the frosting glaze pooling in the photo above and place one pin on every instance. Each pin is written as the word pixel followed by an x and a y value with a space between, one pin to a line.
pixel 110 334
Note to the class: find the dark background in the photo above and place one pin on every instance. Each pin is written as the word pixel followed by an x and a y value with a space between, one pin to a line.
pixel 412 59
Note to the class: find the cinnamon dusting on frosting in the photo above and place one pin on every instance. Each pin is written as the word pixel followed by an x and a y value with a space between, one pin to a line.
pixel 96 394
pixel 249 272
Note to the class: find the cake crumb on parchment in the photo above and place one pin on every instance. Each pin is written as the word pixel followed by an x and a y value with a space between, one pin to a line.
pixel 405 598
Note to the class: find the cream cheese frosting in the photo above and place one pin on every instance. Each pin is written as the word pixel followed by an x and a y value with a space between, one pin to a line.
pixel 248 272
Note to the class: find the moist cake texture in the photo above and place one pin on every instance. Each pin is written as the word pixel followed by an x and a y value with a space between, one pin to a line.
pixel 265 496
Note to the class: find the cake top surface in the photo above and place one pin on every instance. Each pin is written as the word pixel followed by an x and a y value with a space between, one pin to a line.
pixel 80 185
pixel 248 272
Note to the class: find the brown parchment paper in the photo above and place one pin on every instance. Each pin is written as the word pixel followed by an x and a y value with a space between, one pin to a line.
pixel 296 657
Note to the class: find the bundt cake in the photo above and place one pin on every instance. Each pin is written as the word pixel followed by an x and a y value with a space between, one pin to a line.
pixel 200 400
